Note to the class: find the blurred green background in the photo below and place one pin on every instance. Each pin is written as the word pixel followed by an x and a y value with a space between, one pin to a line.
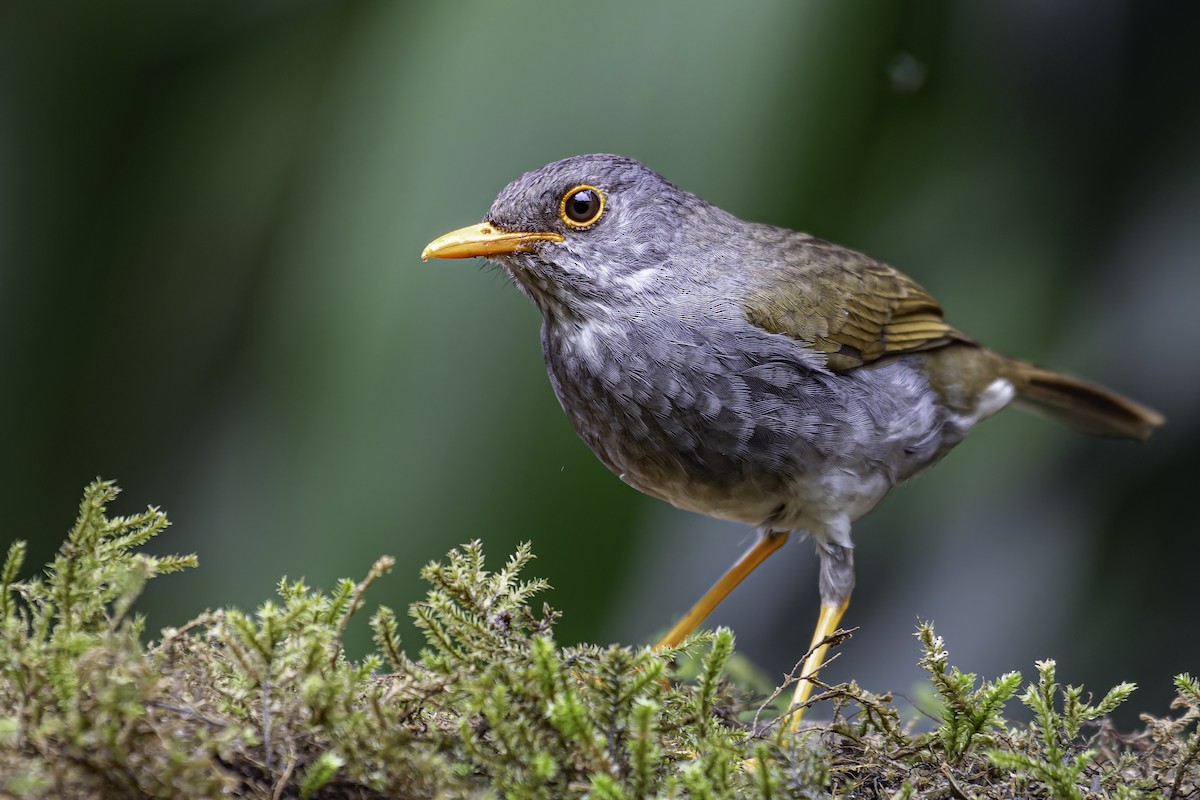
pixel 210 290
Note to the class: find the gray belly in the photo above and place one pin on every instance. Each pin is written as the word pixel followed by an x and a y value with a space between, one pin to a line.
pixel 742 424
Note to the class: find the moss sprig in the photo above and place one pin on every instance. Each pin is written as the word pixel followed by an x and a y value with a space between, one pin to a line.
pixel 1053 755
pixel 970 716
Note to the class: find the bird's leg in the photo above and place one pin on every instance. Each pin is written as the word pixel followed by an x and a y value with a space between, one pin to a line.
pixel 768 542
pixel 837 581
pixel 827 623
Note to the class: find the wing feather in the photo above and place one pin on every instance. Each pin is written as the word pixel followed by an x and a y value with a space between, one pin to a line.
pixel 852 308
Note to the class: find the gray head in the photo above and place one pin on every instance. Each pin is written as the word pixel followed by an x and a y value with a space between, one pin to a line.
pixel 585 232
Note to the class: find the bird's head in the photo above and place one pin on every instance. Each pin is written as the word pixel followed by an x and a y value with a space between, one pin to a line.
pixel 584 235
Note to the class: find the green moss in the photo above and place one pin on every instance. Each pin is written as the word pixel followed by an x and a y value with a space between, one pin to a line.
pixel 267 704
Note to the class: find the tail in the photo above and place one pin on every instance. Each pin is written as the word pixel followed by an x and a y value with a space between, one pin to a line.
pixel 1083 406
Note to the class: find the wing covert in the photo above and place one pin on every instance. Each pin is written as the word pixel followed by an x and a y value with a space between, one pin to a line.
pixel 846 305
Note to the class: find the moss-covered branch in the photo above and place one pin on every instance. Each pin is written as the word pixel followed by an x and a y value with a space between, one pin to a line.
pixel 267 705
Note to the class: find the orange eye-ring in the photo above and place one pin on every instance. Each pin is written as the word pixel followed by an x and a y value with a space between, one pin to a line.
pixel 581 206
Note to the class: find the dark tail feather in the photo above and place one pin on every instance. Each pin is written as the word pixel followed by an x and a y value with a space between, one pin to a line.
pixel 1083 406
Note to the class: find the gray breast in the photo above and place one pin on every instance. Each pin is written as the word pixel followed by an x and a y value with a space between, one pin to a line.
pixel 727 419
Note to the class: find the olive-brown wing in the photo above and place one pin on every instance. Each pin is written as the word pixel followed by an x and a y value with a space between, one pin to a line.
pixel 852 308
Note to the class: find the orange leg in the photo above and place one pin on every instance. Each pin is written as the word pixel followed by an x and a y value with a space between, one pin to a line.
pixel 827 623
pixel 767 543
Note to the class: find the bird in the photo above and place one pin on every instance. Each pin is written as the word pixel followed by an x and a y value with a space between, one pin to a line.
pixel 747 371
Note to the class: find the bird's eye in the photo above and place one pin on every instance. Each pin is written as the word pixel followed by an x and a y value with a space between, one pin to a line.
pixel 581 206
